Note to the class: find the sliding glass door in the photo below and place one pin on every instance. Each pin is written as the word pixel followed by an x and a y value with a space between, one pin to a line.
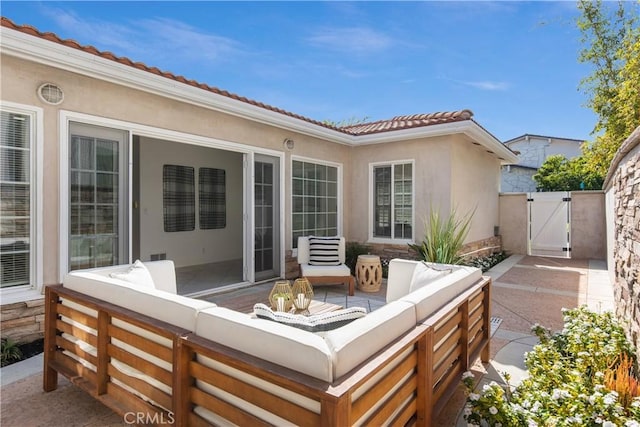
pixel 267 217
pixel 98 209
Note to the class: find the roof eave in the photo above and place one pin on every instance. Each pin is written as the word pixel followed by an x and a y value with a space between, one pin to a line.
pixel 466 127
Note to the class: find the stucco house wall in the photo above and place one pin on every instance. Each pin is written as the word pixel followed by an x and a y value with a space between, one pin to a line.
pixel 432 172
pixel 513 222
pixel 473 187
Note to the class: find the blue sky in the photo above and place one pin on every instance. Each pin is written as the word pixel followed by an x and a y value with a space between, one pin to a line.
pixel 514 64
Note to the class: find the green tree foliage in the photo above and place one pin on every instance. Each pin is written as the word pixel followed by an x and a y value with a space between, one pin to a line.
pixel 611 40
pixel 611 45
pixel 558 173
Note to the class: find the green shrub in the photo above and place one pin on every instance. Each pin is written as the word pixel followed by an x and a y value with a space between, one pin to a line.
pixel 443 238
pixel 567 380
pixel 10 352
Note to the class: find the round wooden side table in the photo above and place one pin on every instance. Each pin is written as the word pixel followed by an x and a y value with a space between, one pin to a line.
pixel 369 273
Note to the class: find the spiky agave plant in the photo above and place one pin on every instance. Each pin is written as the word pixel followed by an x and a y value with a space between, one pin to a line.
pixel 444 237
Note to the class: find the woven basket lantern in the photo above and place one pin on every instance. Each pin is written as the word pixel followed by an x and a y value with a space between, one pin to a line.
pixel 281 289
pixel 302 294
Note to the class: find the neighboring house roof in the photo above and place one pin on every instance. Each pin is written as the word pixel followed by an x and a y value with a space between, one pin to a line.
pixel 397 123
pixel 524 167
pixel 518 138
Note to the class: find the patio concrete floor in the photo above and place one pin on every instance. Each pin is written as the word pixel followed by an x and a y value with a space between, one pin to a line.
pixel 526 290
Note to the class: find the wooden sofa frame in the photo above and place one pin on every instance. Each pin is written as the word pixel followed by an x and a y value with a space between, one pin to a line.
pixel 406 383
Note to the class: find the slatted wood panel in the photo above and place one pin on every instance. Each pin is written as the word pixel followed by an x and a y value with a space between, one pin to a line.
pixel 406 383
pixel 100 383
pixel 461 332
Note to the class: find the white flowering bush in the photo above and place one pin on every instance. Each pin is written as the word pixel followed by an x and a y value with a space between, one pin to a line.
pixel 485 263
pixel 566 383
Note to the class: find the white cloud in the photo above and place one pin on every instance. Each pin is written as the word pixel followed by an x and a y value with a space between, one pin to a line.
pixel 357 40
pixel 147 39
pixel 105 35
pixel 487 85
pixel 183 39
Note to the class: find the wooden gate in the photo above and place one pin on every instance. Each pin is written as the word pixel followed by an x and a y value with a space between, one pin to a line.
pixel 549 224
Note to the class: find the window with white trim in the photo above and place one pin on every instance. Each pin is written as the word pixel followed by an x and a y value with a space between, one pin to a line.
pixel 314 200
pixel 393 201
pixel 18 207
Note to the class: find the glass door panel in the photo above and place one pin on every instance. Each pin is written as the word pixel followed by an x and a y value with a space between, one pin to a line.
pixel 97 177
pixel 266 218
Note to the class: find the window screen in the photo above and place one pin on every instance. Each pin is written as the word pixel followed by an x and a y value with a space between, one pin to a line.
pixel 15 193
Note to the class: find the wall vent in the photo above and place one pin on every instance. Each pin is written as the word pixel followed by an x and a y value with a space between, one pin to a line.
pixel 51 94
pixel 159 257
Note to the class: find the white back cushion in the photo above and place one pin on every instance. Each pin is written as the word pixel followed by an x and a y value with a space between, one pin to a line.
pixel 399 278
pixel 435 295
pixel 174 309
pixel 137 274
pixel 424 274
pixel 163 273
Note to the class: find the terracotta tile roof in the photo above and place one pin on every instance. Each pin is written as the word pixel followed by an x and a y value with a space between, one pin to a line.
pixel 408 122
pixel 396 123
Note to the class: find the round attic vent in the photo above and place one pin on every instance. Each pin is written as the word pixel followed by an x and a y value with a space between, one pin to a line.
pixel 51 94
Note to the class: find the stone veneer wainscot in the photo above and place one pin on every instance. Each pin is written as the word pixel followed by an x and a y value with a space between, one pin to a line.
pixel 623 179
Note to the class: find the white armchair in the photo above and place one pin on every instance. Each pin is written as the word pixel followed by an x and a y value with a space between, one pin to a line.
pixel 321 261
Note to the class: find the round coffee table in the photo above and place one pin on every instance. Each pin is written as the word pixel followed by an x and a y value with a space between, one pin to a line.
pixel 369 273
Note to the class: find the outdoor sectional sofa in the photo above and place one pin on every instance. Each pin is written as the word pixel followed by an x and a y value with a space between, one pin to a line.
pixel 159 358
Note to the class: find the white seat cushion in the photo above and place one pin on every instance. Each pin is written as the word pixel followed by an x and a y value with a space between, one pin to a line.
pixel 359 340
pixel 324 270
pixel 299 350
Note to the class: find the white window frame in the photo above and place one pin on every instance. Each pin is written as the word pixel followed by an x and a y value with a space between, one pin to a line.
pixel 34 289
pixel 371 207
pixel 339 191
